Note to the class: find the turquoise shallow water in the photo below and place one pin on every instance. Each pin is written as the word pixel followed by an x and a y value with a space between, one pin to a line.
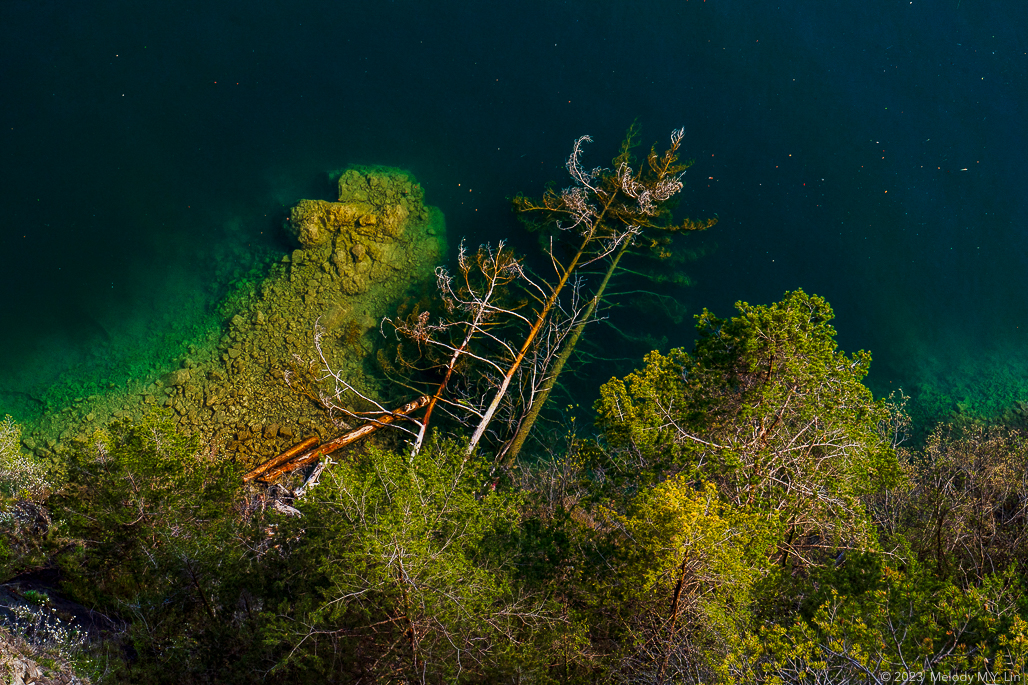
pixel 872 153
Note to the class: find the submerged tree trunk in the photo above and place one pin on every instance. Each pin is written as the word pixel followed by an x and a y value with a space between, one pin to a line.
pixel 280 459
pixel 529 339
pixel 515 445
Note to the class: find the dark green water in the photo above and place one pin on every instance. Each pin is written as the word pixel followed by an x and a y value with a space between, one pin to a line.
pixel 873 153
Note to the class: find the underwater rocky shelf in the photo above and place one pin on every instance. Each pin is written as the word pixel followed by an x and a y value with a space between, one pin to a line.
pixel 358 256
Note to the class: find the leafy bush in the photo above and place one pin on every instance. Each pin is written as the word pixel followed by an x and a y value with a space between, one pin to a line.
pixel 686 569
pixel 911 625
pixel 401 568
pixel 150 536
pixel 771 413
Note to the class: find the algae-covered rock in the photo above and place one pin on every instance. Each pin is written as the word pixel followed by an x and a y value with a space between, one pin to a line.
pixel 358 257
pixel 315 221
pixel 373 204
pixel 178 377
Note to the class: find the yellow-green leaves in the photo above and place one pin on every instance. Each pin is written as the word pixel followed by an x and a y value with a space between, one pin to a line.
pixel 689 562
pixel 682 536
pixel 768 411
pixel 912 626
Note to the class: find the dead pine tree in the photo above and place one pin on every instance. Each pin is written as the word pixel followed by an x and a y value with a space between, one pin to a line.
pixel 487 312
pixel 473 300
pixel 613 210
pixel 585 210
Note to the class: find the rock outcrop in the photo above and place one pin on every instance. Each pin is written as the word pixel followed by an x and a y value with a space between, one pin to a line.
pixel 19 664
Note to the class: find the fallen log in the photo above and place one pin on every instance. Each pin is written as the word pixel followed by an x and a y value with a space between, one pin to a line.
pixel 343 440
pixel 282 458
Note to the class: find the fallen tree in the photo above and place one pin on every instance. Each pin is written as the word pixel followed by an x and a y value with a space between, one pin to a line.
pixel 294 458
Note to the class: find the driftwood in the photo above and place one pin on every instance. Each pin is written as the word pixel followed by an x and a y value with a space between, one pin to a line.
pixel 282 458
pixel 270 471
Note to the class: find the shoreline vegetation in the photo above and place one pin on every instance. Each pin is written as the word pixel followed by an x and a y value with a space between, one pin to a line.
pixel 742 512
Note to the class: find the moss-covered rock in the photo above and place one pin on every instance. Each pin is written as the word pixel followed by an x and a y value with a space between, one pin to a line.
pixel 374 205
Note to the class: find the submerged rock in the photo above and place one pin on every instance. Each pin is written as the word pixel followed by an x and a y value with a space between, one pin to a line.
pixel 373 205
pixel 314 221
pixel 178 377
pixel 357 259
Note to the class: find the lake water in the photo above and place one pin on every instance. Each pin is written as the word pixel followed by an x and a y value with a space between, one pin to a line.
pixel 873 153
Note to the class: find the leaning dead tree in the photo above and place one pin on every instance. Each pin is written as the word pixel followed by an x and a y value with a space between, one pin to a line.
pixel 506 334
pixel 509 356
pixel 584 207
pixel 475 341
pixel 609 202
pixel 474 312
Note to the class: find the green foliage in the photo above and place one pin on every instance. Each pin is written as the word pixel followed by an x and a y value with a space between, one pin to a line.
pixel 628 143
pixel 407 574
pixel 36 597
pixel 686 567
pixel 912 623
pixel 770 412
pixel 149 538
pixel 564 552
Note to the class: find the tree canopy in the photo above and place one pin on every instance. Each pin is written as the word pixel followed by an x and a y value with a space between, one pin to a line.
pixel 771 412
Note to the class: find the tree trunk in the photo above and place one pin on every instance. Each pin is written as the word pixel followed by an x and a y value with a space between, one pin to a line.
pixel 442 386
pixel 540 320
pixel 280 459
pixel 343 440
pixel 515 445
